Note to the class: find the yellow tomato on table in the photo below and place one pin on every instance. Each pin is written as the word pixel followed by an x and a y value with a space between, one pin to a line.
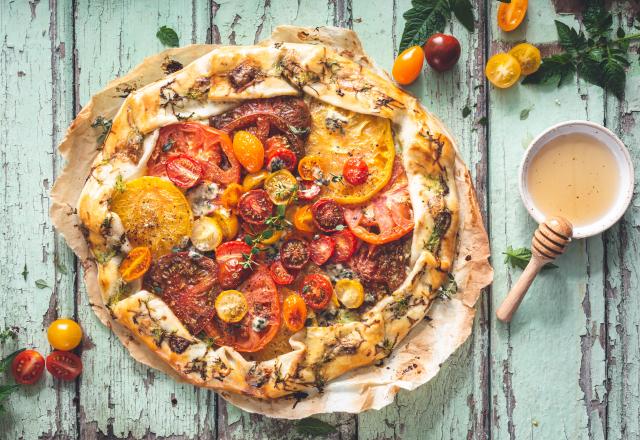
pixel 64 334
pixel 503 70
pixel 528 56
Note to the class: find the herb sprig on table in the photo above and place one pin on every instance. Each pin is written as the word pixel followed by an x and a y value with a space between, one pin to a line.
pixel 520 258
pixel 595 56
pixel 427 17
pixel 314 427
pixel 7 389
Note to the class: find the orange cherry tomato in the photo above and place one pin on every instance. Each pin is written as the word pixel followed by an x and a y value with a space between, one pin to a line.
pixel 135 264
pixel 510 15
pixel 310 167
pixel 503 70
pixel 294 312
pixel 249 150
pixel 408 65
pixel 303 219
pixel 528 56
pixel 64 334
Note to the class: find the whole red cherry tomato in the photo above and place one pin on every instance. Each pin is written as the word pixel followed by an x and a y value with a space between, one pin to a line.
pixel 442 51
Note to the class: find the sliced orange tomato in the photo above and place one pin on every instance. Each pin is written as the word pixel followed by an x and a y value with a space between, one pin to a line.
pixel 503 70
pixel 254 180
pixel 311 167
pixel 294 312
pixel 510 15
pixel 349 135
pixel 528 56
pixel 408 65
pixel 249 150
pixel 303 219
pixel 154 213
pixel 135 264
pixel 231 195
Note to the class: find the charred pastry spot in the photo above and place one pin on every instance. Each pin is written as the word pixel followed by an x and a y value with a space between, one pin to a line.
pixel 244 75
pixel 178 344
pixel 257 377
pixel 170 66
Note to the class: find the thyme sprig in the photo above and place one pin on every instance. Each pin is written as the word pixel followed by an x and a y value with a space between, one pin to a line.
pixel 274 224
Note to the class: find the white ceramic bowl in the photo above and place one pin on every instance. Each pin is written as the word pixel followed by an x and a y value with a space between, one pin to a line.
pixel 607 138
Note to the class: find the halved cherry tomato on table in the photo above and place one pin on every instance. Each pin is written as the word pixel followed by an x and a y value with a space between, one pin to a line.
pixel 262 321
pixel 230 256
pixel 345 245
pixel 317 291
pixel 311 167
pixel 386 217
pixel 280 274
pixel 136 264
pixel 528 56
pixel 281 186
pixel 64 334
pixel 307 190
pixel 231 306
pixel 303 219
pixel 254 180
pixel 510 15
pixel 294 253
pixel 27 367
pixel 281 158
pixel 294 312
pixel 408 65
pixel 321 249
pixel 503 70
pixel 211 148
pixel 64 365
pixel 248 150
pixel 183 171
pixel 327 214
pixel 255 207
pixel 350 293
pixel 355 171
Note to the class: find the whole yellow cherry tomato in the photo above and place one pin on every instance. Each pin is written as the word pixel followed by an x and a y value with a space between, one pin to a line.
pixel 408 65
pixel 64 334
pixel 503 70
pixel 249 150
pixel 528 56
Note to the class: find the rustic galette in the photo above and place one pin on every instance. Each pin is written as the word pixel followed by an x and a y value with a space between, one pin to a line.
pixel 269 217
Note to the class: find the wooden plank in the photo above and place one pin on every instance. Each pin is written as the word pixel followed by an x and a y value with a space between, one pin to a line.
pixel 120 398
pixel 455 403
pixel 35 54
pixel 245 23
pixel 548 371
pixel 622 242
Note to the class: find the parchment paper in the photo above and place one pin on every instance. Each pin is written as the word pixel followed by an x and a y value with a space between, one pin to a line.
pixel 416 360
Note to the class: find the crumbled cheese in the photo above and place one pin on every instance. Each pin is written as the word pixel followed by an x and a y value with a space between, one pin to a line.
pixel 202 198
pixel 259 323
pixel 338 272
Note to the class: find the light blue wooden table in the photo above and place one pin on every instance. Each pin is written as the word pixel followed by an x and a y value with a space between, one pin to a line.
pixel 568 366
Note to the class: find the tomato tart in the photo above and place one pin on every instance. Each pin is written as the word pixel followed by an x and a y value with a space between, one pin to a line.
pixel 271 217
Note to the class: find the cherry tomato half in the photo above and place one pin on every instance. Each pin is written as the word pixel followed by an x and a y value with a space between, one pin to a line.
pixel 229 257
pixel 64 334
pixel 303 219
pixel 355 171
pixel 64 365
pixel 281 158
pixel 183 171
pixel 255 207
pixel 503 70
pixel 307 190
pixel 345 245
pixel 510 15
pixel 528 56
pixel 442 52
pixel 321 249
pixel 294 253
pixel 294 312
pixel 408 65
pixel 327 214
pixel 27 367
pixel 280 274
pixel 317 291
pixel 136 264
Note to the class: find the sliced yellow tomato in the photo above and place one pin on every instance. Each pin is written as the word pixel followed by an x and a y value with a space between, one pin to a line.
pixel 249 150
pixel 228 221
pixel 311 167
pixel 281 186
pixel 303 219
pixel 206 234
pixel 528 56
pixel 350 293
pixel 135 264
pixel 231 195
pixel 231 306
pixel 336 136
pixel 503 70
pixel 154 213
pixel 254 180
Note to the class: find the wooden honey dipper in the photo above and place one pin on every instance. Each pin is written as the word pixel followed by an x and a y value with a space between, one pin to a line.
pixel 549 241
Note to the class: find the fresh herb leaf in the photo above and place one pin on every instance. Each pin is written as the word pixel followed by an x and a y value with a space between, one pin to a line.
pixel 41 284
pixel 555 69
pixel 524 113
pixel 520 257
pixel 466 111
pixel 6 362
pixel 483 121
pixel 61 267
pixel 168 37
pixel 25 272
pixel 463 10
pixel 314 427
pixel 449 288
pixel 119 184
pixel 6 334
pixel 105 125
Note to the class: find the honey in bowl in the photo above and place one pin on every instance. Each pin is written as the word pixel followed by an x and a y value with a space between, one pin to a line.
pixel 574 176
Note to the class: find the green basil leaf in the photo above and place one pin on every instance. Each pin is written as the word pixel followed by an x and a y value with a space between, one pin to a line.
pixel 168 36
pixel 597 21
pixel 466 111
pixel 41 284
pixel 570 40
pixel 314 427
pixel 555 69
pixel 614 76
pixel 519 258
pixel 425 18
pixel 524 113
pixel 463 11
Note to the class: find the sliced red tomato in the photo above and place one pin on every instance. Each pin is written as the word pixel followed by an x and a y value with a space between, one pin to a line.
pixel 327 214
pixel 64 365
pixel 345 245
pixel 211 148
pixel 183 171
pixel 27 367
pixel 317 291
pixel 280 274
pixel 281 158
pixel 307 190
pixel 355 171
pixel 321 249
pixel 255 207
pixel 230 256
pixel 188 284
pixel 294 253
pixel 386 217
pixel 262 321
